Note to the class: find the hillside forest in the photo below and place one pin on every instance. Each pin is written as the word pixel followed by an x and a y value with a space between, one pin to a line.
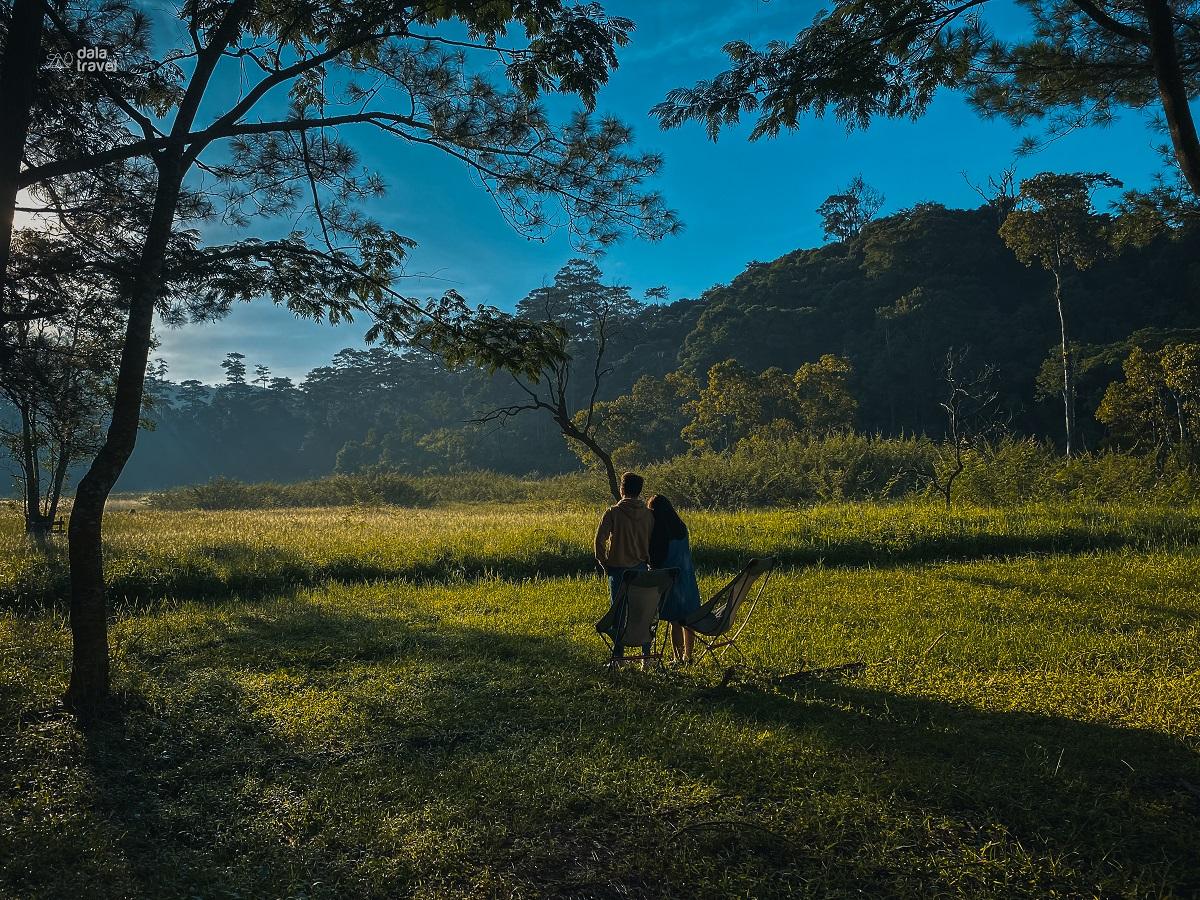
pixel 851 335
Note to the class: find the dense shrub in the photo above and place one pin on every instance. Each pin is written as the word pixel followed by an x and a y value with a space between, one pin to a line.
pixel 760 472
pixel 378 489
pixel 839 468
pixel 1023 471
pixel 335 490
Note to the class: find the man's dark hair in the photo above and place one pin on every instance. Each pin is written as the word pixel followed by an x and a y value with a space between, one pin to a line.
pixel 631 484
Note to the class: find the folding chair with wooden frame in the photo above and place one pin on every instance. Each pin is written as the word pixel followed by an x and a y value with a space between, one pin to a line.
pixel 633 618
pixel 713 620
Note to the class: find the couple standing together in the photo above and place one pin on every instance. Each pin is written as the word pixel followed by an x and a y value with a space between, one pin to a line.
pixel 634 536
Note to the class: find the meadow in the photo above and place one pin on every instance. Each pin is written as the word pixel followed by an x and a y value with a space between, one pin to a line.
pixel 385 702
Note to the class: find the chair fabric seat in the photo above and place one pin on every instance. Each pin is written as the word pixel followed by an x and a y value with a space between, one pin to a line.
pixel 715 618
pixel 632 620
pixel 705 622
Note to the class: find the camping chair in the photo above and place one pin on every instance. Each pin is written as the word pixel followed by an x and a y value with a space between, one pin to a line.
pixel 632 620
pixel 713 620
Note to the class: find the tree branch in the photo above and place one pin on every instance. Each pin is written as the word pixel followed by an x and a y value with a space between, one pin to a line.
pixel 1111 23
pixel 206 64
pixel 148 128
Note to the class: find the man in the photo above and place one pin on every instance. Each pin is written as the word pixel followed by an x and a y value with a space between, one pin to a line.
pixel 623 538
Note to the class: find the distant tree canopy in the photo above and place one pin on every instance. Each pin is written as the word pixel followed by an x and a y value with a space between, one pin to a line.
pixel 844 214
pixel 890 302
pixel 1157 404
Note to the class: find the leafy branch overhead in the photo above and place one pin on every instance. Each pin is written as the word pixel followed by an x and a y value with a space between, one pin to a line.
pixel 377 66
pixel 1079 62
pixel 176 152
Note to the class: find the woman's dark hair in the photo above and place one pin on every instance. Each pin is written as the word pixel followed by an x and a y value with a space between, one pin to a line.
pixel 667 527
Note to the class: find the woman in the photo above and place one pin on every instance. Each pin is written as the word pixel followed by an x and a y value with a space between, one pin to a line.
pixel 670 549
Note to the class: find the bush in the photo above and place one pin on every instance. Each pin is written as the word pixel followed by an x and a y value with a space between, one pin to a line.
pixel 335 490
pixel 761 473
pixel 839 468
pixel 1024 471
pixel 380 488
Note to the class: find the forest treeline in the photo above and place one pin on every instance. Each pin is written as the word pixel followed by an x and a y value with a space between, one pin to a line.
pixel 869 318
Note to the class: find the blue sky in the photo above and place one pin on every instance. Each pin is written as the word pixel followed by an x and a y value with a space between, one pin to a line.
pixel 739 201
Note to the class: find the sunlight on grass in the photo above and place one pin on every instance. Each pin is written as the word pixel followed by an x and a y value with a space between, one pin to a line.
pixel 1026 726
pixel 152 554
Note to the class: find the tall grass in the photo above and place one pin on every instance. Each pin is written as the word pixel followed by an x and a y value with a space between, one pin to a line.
pixel 374 489
pixel 152 554
pixel 840 468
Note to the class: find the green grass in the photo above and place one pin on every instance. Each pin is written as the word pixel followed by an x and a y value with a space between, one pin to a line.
pixel 387 703
pixel 154 554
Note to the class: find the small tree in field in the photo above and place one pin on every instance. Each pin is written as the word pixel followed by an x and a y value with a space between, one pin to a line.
pixel 1055 225
pixel 56 378
pixel 969 404
pixel 56 372
pixel 588 315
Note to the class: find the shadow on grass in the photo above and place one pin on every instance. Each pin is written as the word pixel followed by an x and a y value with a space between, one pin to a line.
pixel 1116 808
pixel 229 569
pixel 1092 604
pixel 467 761
pixel 179 804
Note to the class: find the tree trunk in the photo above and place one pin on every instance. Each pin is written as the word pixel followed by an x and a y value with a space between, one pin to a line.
pixel 60 477
pixel 89 614
pixel 614 485
pixel 1067 365
pixel 18 82
pixel 1172 90
pixel 567 427
pixel 32 477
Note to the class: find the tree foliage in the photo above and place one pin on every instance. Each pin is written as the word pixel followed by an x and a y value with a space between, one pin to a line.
pixel 587 315
pixel 844 214
pixel 1077 62
pixel 891 301
pixel 1157 404
pixel 1055 225
pixel 645 425
pixel 734 404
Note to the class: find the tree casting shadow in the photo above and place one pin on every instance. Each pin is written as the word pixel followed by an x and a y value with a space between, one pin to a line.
pixel 189 782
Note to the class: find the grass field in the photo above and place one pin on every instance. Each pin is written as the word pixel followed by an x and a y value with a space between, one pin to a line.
pixel 333 703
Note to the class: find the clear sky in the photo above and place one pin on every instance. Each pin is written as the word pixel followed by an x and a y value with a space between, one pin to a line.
pixel 739 201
